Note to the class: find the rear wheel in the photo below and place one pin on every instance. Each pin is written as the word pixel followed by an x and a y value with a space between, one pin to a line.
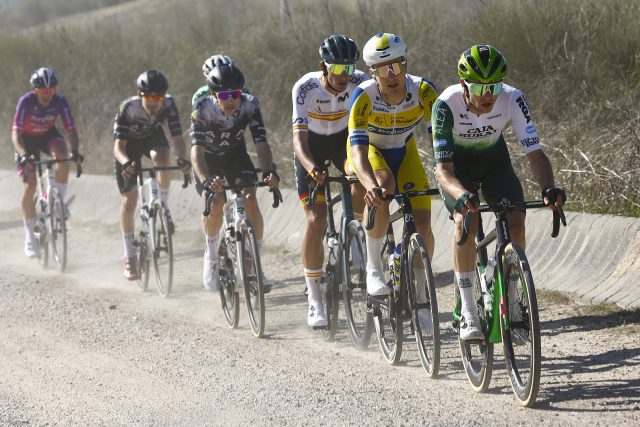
pixel 477 356
pixel 359 321
pixel 229 296
pixel 162 250
pixel 521 334
pixel 58 230
pixel 424 305
pixel 252 279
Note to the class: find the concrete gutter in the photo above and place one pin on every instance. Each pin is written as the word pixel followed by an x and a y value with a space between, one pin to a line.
pixel 595 258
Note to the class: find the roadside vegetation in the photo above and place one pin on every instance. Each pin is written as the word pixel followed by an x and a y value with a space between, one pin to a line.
pixel 578 62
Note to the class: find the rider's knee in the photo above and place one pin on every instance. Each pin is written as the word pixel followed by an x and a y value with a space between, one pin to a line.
pixel 129 202
pixel 316 221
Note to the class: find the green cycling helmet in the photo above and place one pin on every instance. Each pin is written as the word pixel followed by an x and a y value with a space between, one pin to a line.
pixel 482 63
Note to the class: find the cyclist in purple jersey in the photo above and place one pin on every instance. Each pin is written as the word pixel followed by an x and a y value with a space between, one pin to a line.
pixel 137 132
pixel 34 131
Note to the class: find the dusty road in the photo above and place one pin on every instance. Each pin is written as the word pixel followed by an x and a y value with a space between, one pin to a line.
pixel 88 348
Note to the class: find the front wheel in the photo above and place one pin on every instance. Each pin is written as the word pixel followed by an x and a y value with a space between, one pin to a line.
pixel 57 230
pixel 162 249
pixel 41 231
pixel 142 254
pixel 330 290
pixel 227 274
pixel 424 305
pixel 520 326
pixel 386 315
pixel 359 320
pixel 252 278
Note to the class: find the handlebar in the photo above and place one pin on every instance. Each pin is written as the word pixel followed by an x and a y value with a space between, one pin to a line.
pixel 505 206
pixel 186 177
pixel 371 210
pixel 277 195
pixel 49 163
pixel 341 179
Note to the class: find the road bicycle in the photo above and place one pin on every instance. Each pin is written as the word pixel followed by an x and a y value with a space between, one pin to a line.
pixel 50 228
pixel 413 297
pixel 154 242
pixel 238 237
pixel 346 258
pixel 507 305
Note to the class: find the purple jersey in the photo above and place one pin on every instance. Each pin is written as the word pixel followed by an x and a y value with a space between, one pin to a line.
pixel 34 120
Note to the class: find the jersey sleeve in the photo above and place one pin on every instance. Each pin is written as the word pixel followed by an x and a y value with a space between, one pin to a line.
pixel 201 93
pixel 442 118
pixel 427 95
pixel 20 115
pixel 198 128
pixel 173 118
pixel 359 118
pixel 522 124
pixel 300 119
pixel 256 123
pixel 121 123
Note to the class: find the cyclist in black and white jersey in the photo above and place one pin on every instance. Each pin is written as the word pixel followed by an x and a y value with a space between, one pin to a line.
pixel 321 101
pixel 469 149
pixel 218 150
pixel 137 132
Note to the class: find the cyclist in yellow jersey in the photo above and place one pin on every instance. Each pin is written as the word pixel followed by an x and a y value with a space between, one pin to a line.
pixel 383 153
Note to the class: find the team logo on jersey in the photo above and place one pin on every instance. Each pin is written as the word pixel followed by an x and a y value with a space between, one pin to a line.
pixel 304 91
pixel 343 98
pixel 531 129
pixel 529 142
pixel 464 116
pixel 479 132
pixel 439 143
pixel 408 97
pixel 524 107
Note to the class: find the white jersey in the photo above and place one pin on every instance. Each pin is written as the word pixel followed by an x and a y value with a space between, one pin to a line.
pixel 318 110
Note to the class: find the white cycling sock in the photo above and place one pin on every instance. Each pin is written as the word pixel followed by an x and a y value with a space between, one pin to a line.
pixel 62 188
pixel 312 277
pixel 466 283
pixel 212 248
pixel 129 250
pixel 163 193
pixel 28 227
pixel 374 249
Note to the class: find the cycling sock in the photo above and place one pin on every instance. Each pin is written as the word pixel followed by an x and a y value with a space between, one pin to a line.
pixel 62 188
pixel 129 250
pixel 312 277
pixel 163 193
pixel 466 283
pixel 374 249
pixel 212 242
pixel 28 227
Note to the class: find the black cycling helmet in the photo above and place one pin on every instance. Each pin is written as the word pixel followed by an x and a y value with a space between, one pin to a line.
pixel 152 82
pixel 210 63
pixel 224 75
pixel 339 49
pixel 43 77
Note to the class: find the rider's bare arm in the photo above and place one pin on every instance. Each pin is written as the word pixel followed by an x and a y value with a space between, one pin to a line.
pixel 301 149
pixel 541 167
pixel 198 162
pixel 74 141
pixel 265 159
pixel 179 147
pixel 119 150
pixel 18 145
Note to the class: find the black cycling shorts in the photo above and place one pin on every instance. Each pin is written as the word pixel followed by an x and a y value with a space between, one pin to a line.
pixel 136 148
pixel 323 148
pixel 235 166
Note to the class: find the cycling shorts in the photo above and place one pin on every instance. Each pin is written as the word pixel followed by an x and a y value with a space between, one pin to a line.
pixel 405 165
pixel 324 148
pixel 33 145
pixel 235 166
pixel 136 148
pixel 492 172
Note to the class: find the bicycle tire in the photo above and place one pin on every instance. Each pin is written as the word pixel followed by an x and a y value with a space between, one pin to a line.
pixel 477 356
pixel 57 231
pixel 42 233
pixel 162 249
pixel 424 305
pixel 143 263
pixel 330 290
pixel 359 321
pixel 252 278
pixel 229 295
pixel 521 334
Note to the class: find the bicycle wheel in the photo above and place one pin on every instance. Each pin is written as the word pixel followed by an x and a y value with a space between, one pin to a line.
pixel 424 305
pixel 521 334
pixel 229 296
pixel 330 290
pixel 387 316
pixel 41 231
pixel 57 230
pixel 162 249
pixel 477 356
pixel 143 248
pixel 252 278
pixel 359 322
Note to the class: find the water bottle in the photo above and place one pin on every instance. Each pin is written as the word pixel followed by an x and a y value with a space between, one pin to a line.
pixel 332 243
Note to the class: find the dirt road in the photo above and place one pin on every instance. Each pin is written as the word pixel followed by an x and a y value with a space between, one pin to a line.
pixel 88 348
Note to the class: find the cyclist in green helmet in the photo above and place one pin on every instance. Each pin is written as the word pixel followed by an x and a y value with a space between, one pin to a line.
pixel 470 150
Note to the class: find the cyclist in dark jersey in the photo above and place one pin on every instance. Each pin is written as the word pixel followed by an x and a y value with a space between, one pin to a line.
pixel 320 114
pixel 218 151
pixel 469 149
pixel 34 131
pixel 137 132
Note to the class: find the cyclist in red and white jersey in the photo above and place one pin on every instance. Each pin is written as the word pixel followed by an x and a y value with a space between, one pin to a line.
pixel 34 131
pixel 321 102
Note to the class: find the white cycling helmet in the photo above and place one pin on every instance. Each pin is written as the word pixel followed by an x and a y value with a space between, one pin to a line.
pixel 383 47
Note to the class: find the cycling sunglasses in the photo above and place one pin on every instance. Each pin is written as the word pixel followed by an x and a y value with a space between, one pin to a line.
pixel 45 90
pixel 479 89
pixel 228 94
pixel 395 68
pixel 156 98
pixel 339 69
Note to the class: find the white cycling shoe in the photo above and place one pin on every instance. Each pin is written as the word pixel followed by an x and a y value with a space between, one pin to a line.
pixel 470 328
pixel 30 247
pixel 376 285
pixel 210 274
pixel 315 317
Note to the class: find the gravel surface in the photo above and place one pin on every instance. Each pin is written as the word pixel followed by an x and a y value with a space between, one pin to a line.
pixel 88 348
